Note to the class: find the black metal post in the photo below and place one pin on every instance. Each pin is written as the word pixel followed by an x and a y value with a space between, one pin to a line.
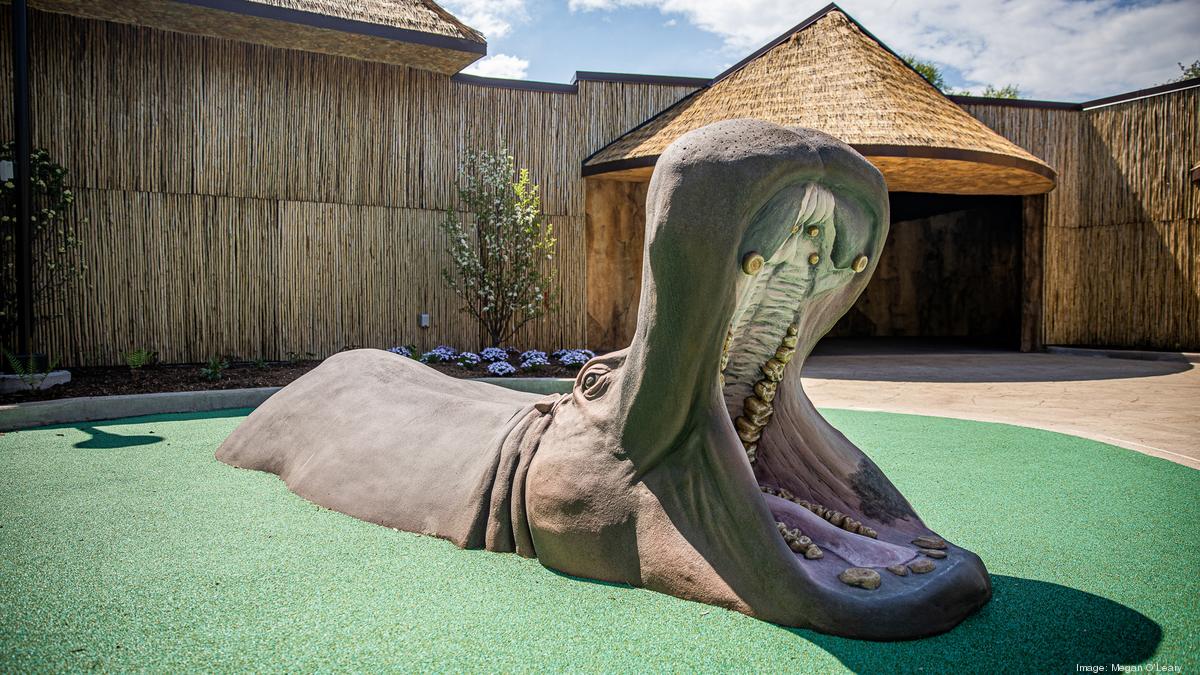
pixel 23 240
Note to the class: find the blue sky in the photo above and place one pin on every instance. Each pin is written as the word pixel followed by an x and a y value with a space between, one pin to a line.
pixel 1051 49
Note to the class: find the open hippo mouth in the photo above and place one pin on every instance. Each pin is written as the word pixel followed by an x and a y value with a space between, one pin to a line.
pixel 690 463
pixel 815 508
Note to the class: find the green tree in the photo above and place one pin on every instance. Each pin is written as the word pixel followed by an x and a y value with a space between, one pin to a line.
pixel 57 250
pixel 1187 72
pixel 501 246
pixel 928 70
pixel 1007 91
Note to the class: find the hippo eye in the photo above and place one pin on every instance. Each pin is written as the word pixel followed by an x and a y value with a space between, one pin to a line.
pixel 593 383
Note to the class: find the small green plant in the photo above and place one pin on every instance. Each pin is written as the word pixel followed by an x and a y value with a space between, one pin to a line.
pixel 259 363
pixel 140 358
pixel 28 371
pixel 214 369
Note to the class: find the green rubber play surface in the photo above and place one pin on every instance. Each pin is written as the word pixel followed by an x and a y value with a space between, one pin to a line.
pixel 126 546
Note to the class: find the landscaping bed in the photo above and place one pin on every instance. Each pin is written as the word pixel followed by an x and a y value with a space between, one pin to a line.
pixel 116 380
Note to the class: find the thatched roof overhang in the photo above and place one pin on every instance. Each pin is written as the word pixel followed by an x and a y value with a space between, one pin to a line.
pixel 829 73
pixel 415 33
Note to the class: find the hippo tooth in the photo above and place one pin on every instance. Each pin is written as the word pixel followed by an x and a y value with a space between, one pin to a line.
pixel 922 566
pixel 773 369
pixel 933 553
pixel 790 341
pixel 784 355
pixel 861 577
pixel 926 541
pixel 814 552
pixel 747 431
pixel 898 570
pixel 757 406
pixel 765 390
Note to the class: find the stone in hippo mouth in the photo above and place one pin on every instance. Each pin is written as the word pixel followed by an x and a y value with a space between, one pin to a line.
pixel 690 463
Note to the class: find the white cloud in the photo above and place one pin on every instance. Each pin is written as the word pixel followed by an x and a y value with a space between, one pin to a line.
pixel 670 23
pixel 1059 49
pixel 493 18
pixel 499 65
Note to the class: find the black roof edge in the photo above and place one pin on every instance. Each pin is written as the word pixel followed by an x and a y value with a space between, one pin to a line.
pixel 315 20
pixel 524 85
pixel 1014 102
pixel 1142 93
pixel 633 78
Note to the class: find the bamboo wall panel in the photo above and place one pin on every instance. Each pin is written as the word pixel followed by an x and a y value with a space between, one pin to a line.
pixel 1122 257
pixel 251 201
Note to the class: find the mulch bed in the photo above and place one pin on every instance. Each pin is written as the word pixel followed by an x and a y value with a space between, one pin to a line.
pixel 109 381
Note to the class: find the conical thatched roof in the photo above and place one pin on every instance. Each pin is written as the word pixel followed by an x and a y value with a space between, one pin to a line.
pixel 830 74
pixel 416 33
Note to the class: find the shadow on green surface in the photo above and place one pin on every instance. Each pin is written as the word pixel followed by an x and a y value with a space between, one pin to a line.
pixel 142 419
pixel 105 440
pixel 1041 626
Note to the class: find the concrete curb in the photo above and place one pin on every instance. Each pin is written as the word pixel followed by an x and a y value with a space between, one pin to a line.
pixel 1136 354
pixel 92 408
pixel 532 385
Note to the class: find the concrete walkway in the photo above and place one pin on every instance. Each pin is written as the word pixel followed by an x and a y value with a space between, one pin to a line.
pixel 1152 407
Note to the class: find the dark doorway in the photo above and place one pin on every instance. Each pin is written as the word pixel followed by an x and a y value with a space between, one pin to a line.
pixel 951 270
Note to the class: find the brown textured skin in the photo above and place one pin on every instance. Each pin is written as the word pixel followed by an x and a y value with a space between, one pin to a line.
pixel 637 476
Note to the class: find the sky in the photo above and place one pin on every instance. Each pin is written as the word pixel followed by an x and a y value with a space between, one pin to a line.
pixel 1064 50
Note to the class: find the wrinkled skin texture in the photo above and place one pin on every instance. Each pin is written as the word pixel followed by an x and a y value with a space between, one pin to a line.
pixel 638 475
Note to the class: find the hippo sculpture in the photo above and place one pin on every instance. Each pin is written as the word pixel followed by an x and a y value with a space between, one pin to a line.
pixel 689 463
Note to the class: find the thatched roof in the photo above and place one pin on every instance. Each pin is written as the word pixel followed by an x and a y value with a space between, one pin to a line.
pixel 830 74
pixel 415 33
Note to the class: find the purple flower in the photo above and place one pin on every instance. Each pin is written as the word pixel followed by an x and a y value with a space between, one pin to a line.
pixel 534 360
pixel 440 354
pixel 501 369
pixel 533 354
pixel 402 351
pixel 573 357
pixel 494 354
pixel 468 359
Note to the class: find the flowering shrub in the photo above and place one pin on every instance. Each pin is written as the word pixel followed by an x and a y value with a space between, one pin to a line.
pixel 402 351
pixel 533 354
pixel 440 354
pixel 533 359
pixel 503 249
pixel 468 359
pixel 501 369
pixel 574 357
pixel 494 354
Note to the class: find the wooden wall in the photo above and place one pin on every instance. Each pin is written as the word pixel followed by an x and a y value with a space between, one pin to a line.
pixel 616 235
pixel 1122 237
pixel 257 201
